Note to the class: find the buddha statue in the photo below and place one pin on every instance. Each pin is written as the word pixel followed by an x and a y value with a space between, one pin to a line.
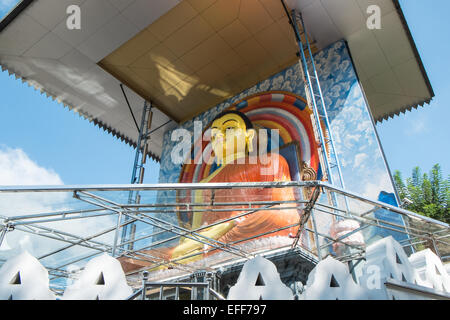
pixel 232 140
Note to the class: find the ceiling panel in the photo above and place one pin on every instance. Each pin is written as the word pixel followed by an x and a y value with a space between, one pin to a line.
pixel 188 37
pixel 366 50
pixel 274 9
pixel 38 47
pixel 107 38
pixel 186 56
pixel 320 27
pixel 205 57
pixel 144 12
pixel 386 6
pixel 228 61
pixel 49 46
pixel 50 18
pixel 410 70
pixel 143 42
pixel 213 48
pixel 235 33
pixel 77 65
pixel 221 13
pixel 396 48
pixel 95 13
pixel 173 20
pixel 16 39
pixel 201 5
pixel 346 15
pixel 386 82
pixel 254 16
pixel 120 4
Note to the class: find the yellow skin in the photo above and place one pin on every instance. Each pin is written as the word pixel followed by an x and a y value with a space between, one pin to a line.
pixel 230 141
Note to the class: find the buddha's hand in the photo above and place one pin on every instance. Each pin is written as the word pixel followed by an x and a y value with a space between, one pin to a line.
pixel 188 245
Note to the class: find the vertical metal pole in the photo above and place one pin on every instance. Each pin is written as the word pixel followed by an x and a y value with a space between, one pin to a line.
pixel 436 251
pixel 316 235
pixel 144 284
pixel 194 291
pixel 116 234
pixel 177 293
pixel 138 176
pixel 311 95
pixel 209 279
pixel 161 293
pixel 3 234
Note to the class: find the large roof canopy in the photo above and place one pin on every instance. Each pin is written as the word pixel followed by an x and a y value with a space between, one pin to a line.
pixel 186 56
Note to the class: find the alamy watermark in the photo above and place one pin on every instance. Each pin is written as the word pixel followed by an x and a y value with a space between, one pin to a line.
pixel 73 21
pixel 374 19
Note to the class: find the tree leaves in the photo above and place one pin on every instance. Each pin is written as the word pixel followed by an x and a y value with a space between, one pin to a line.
pixel 429 193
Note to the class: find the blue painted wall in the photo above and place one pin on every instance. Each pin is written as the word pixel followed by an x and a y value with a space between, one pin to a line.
pixel 362 161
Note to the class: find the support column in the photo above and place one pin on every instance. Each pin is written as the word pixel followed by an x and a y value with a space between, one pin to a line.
pixel 7 227
pixel 128 232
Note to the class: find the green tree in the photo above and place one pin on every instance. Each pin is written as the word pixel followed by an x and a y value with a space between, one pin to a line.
pixel 429 193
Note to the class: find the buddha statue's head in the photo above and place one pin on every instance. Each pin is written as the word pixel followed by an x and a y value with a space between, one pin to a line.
pixel 232 136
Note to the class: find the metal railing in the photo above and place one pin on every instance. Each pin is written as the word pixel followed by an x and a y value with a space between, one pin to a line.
pixel 159 228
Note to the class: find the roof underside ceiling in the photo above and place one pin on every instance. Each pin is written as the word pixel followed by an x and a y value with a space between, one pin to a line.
pixel 187 56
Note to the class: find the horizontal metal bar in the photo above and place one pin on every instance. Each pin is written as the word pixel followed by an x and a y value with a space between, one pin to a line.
pixel 416 289
pixel 132 210
pixel 205 204
pixel 355 216
pixel 156 187
pixel 203 186
pixel 22 223
pixel 383 205
pixel 167 226
pixel 376 223
pixel 176 284
pixel 51 214
pixel 342 238
pixel 216 294
pixel 134 295
pixel 77 260
pixel 72 239
pixel 202 228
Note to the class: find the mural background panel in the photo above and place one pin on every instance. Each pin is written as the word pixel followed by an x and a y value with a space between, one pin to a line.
pixel 363 167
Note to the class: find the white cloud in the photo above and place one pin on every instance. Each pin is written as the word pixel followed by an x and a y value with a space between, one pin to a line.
pixel 16 168
pixel 380 181
pixel 417 126
pixel 360 158
pixel 374 183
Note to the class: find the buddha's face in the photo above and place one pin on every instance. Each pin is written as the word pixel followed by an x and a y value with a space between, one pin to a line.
pixel 230 138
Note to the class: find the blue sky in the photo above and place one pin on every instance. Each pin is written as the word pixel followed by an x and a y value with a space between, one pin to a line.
pixel 6 6
pixel 80 153
pixel 421 137
pixel 53 144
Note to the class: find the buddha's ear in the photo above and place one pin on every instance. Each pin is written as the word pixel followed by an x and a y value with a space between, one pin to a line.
pixel 250 136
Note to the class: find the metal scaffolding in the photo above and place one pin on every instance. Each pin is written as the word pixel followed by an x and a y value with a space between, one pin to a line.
pixel 328 157
pixel 104 202
pixel 138 171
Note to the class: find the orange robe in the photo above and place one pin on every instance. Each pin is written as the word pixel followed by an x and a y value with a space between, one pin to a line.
pixel 247 226
pixel 260 221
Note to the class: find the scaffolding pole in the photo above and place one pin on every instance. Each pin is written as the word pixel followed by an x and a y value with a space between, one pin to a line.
pixel 137 177
pixel 315 99
pixel 32 223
